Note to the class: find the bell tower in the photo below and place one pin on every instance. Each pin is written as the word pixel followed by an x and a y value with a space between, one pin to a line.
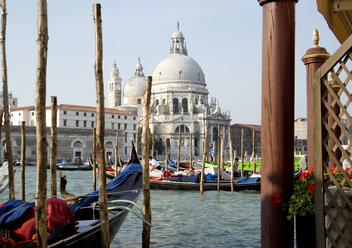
pixel 114 88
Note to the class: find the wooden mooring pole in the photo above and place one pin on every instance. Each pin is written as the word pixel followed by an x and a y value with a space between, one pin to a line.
pixel 222 153
pixel 242 153
pixel 153 144
pixel 205 153
pixel 231 159
pixel 166 156
pixel 179 152
pixel 53 148
pixel 214 148
pixel 94 159
pixel 137 144
pixel 23 161
pixel 190 151
pixel 40 202
pixel 6 100
pixel 146 183
pixel 98 68
pixel 253 153
pixel 1 120
pixel 116 152
pixel 219 157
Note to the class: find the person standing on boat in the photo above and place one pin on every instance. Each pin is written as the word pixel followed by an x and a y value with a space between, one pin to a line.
pixel 153 164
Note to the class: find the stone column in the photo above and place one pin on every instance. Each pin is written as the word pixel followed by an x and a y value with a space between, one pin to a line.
pixel 278 50
pixel 313 59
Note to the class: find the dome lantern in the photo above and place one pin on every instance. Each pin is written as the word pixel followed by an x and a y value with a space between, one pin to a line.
pixel 139 69
pixel 177 42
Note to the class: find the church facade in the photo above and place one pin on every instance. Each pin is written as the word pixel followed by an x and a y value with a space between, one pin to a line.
pixel 179 103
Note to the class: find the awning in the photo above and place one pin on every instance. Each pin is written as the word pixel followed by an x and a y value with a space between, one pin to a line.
pixel 338 15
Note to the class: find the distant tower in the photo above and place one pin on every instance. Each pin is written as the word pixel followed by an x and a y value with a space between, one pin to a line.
pixel 114 90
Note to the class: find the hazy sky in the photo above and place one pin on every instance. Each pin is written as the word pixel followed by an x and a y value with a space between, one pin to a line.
pixel 223 36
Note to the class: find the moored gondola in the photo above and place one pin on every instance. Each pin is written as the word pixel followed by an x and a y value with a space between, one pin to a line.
pixel 82 227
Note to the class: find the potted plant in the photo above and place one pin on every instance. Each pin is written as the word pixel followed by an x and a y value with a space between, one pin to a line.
pixel 301 205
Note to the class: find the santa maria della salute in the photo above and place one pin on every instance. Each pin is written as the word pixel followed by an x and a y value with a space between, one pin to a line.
pixel 179 101
pixel 179 105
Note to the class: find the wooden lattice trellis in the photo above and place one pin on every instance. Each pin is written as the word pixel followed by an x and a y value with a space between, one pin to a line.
pixel 332 88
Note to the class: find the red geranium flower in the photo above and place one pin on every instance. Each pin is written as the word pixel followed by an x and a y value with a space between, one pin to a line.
pixel 311 169
pixel 311 188
pixel 276 200
pixel 305 175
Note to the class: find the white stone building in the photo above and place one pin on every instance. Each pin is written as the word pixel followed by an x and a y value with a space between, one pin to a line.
pixel 179 103
pixel 78 118
pixel 300 126
pixel 13 101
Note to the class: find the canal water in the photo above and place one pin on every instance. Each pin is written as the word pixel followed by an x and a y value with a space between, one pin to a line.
pixel 179 218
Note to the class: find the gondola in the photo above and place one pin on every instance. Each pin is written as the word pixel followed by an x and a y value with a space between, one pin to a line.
pixel 85 229
pixel 209 185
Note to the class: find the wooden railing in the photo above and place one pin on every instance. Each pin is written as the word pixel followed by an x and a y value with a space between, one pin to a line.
pixel 332 87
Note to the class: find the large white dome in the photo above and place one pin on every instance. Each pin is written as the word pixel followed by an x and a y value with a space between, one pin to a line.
pixel 178 67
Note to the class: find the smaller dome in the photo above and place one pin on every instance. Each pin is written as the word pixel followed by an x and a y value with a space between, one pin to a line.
pixel 134 87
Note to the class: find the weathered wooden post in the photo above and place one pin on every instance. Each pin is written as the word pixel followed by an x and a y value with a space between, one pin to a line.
pixel 94 159
pixel 253 153
pixel 23 161
pixel 98 69
pixel 214 148
pixel 179 152
pixel 137 144
pixel 153 144
pixel 231 159
pixel 40 202
pixel 6 100
pixel 313 59
pixel 1 120
pixel 222 153
pixel 116 152
pixel 190 150
pixel 219 157
pixel 277 135
pixel 205 152
pixel 242 154
pixel 53 148
pixel 146 183
pixel 166 156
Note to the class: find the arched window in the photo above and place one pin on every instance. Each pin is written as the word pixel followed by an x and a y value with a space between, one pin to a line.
pixel 182 129
pixel 157 102
pixel 179 75
pixel 175 105
pixel 185 105
pixel 196 101
pixel 108 145
pixel 77 144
